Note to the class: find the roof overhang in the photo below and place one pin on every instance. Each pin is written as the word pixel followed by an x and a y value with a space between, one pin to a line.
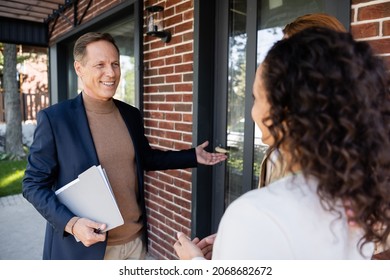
pixel 26 22
pixel 23 32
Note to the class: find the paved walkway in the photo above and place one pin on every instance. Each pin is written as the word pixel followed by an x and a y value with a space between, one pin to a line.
pixel 21 229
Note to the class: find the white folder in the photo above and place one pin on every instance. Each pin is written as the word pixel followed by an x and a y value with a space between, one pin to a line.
pixel 90 196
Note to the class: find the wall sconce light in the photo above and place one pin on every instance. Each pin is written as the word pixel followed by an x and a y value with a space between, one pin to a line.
pixel 155 23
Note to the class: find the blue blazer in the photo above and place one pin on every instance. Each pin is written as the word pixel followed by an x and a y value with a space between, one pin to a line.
pixel 62 149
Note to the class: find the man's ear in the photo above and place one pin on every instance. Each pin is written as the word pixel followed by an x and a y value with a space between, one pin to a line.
pixel 78 67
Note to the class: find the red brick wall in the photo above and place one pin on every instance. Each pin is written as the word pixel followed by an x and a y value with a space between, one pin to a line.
pixel 168 123
pixel 370 21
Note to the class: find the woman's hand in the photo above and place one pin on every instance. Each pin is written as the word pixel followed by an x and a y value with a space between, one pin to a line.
pixel 206 245
pixel 186 249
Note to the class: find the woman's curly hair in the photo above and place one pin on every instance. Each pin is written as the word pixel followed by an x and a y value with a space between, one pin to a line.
pixel 330 108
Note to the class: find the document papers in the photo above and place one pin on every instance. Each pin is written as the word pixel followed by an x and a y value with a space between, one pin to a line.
pixel 90 196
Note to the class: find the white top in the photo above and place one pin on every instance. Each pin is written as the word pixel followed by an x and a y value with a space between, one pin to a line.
pixel 286 221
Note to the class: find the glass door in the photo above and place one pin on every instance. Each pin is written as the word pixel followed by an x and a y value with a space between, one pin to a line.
pixel 235 126
pixel 246 30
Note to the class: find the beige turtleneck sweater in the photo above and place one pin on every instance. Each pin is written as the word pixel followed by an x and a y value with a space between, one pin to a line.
pixel 115 151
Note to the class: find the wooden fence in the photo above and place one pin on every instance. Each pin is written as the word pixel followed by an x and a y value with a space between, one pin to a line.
pixel 30 105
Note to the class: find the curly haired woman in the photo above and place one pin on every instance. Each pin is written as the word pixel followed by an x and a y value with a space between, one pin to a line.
pixel 323 100
pixel 272 167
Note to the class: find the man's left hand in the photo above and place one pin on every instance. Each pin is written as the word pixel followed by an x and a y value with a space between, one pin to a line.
pixel 206 158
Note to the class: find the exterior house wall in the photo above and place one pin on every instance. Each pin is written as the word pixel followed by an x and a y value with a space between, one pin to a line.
pixel 370 21
pixel 168 123
pixel 168 105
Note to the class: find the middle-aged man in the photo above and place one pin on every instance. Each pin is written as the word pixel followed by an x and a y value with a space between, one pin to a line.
pixel 92 129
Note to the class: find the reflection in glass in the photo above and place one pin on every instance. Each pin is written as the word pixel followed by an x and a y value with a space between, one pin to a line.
pixel 236 99
pixel 265 40
pixel 272 16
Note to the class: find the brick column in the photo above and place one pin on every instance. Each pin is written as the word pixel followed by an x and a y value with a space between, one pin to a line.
pixel 168 123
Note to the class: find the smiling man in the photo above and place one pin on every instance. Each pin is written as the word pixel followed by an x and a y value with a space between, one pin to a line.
pixel 96 129
pixel 97 65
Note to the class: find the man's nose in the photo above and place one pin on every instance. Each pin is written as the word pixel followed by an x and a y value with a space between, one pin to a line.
pixel 110 71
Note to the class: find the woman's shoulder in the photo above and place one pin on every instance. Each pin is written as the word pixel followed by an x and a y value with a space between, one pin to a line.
pixel 291 196
pixel 291 186
pixel 289 212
